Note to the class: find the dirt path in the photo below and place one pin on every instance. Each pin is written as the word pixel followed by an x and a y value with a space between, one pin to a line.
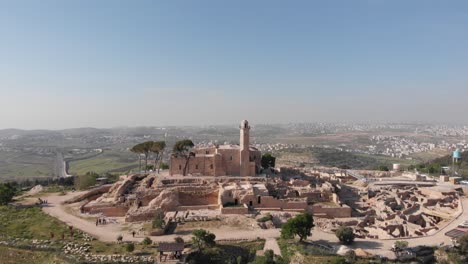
pixel 271 243
pixel 110 232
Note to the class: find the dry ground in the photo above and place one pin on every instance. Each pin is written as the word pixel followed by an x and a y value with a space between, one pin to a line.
pixel 224 232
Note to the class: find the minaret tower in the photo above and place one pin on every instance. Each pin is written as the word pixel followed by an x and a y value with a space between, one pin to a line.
pixel 244 148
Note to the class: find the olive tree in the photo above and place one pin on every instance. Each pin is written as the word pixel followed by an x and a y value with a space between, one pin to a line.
pixel 202 238
pixel 299 225
pixel 345 235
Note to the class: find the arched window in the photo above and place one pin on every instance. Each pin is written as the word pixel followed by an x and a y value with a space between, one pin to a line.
pixel 259 199
pixel 180 167
pixel 211 166
pixel 196 167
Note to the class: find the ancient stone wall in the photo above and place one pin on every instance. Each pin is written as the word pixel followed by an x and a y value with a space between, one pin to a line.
pixel 146 215
pixel 90 195
pixel 259 202
pixel 109 211
pixel 190 198
pixel 235 210
pixel 198 207
pixel 332 212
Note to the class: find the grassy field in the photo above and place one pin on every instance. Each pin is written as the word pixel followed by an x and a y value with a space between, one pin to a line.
pixel 429 155
pixel 108 161
pixel 224 252
pixel 14 256
pixel 310 254
pixel 30 223
pixel 336 158
pixel 19 165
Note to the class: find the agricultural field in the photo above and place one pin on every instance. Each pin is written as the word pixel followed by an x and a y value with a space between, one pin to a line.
pixel 108 161
pixel 17 165
pixel 330 139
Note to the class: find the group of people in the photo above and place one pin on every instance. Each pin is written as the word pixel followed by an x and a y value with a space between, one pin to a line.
pixel 101 221
pixel 70 228
pixel 42 201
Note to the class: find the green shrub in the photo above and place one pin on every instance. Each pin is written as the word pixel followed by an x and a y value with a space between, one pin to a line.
pixel 130 247
pixel 265 218
pixel 7 192
pixel 164 166
pixel 345 235
pixel 158 221
pixel 179 240
pixel 147 241
pixel 83 182
pixel 339 260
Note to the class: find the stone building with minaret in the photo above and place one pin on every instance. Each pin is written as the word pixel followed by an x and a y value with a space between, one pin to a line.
pixel 222 160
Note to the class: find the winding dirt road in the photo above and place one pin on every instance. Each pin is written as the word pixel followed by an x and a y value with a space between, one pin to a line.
pixel 110 232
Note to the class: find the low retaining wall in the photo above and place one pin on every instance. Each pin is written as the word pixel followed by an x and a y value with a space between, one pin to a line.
pixel 235 210
pixel 198 207
pixel 332 212
pixel 109 211
pixel 146 216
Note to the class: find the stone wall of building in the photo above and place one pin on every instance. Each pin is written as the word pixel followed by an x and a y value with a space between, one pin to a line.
pixel 224 160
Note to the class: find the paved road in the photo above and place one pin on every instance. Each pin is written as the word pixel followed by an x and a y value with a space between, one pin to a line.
pixel 61 166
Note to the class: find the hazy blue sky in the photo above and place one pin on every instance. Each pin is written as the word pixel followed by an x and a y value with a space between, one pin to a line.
pixel 109 63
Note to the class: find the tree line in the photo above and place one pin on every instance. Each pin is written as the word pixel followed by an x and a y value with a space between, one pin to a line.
pixel 156 148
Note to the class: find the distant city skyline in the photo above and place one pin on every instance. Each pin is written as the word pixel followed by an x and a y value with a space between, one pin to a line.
pixel 70 64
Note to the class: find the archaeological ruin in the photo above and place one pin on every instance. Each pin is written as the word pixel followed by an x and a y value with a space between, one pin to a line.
pixel 224 180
